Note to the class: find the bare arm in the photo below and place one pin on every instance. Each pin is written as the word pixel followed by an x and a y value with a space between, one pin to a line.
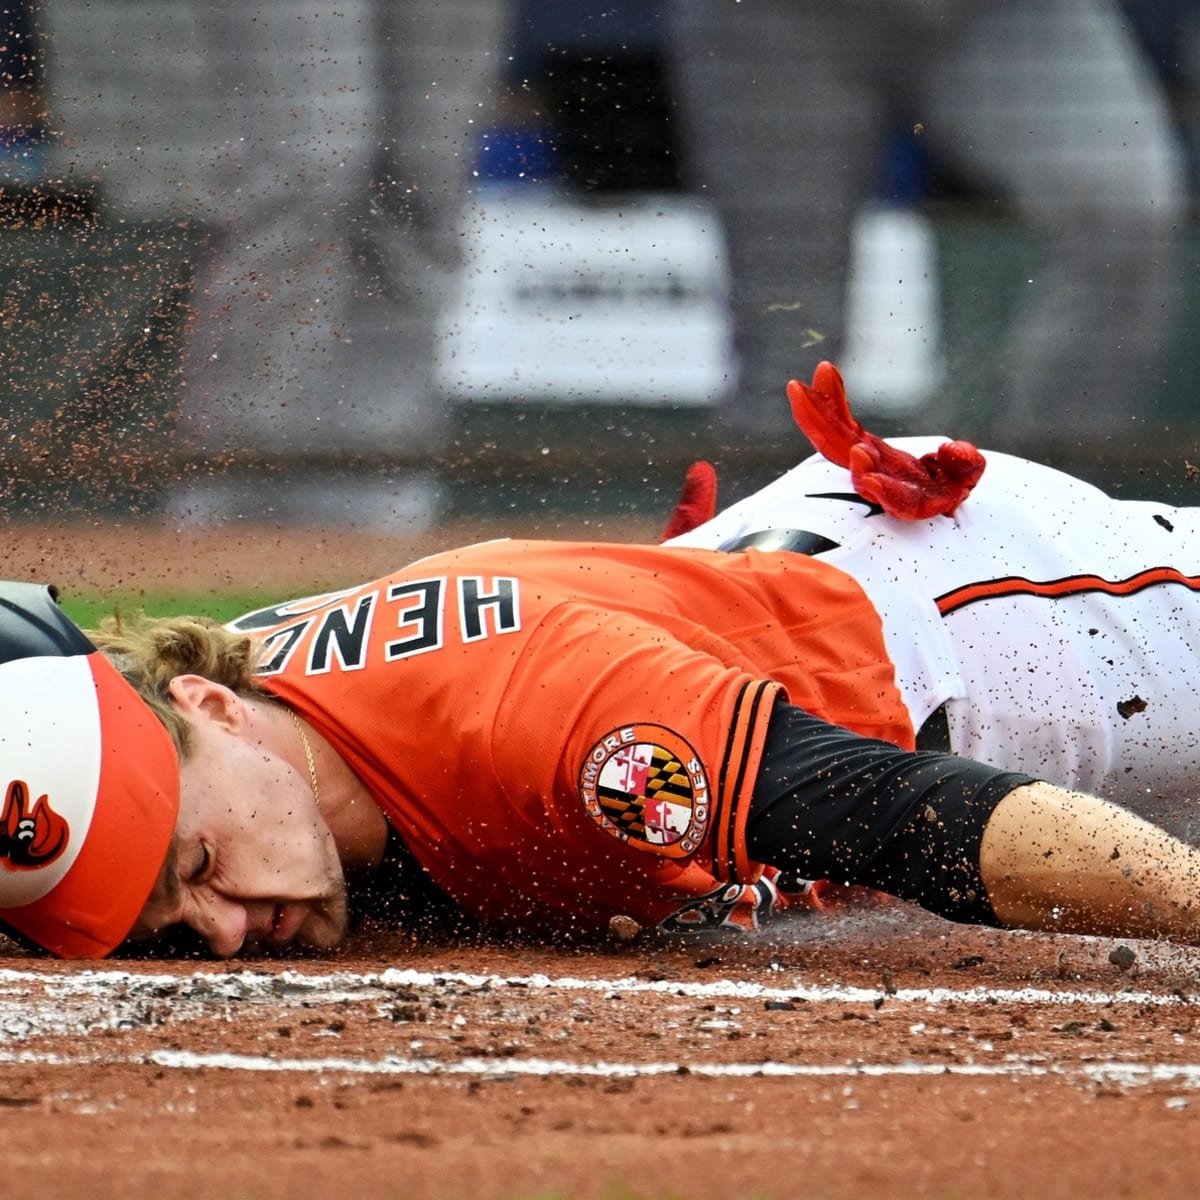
pixel 1053 859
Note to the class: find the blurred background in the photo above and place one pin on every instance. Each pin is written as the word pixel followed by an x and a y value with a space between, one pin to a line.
pixel 378 264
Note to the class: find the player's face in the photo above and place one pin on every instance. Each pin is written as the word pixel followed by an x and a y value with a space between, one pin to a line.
pixel 253 865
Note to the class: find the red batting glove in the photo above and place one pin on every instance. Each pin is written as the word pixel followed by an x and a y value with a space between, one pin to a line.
pixel 697 502
pixel 903 486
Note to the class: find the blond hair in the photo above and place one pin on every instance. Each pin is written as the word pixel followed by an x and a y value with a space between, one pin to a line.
pixel 151 651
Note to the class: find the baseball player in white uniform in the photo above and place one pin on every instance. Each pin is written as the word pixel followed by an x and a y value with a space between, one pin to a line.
pixel 1041 626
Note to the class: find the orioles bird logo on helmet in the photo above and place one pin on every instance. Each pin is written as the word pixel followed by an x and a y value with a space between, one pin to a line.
pixel 31 836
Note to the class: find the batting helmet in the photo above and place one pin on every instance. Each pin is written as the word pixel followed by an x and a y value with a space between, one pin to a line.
pixel 89 784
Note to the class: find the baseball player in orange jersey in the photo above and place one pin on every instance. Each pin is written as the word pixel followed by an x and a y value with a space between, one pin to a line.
pixel 549 735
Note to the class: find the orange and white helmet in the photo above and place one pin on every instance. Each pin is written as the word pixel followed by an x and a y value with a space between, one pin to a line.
pixel 89 784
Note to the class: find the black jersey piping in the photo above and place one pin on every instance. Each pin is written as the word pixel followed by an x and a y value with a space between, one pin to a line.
pixel 754 704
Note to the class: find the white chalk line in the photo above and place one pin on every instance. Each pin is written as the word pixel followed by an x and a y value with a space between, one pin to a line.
pixel 305 987
pixel 1185 1076
pixel 77 1002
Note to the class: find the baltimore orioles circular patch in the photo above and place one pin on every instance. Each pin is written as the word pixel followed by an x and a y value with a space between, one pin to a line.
pixel 646 786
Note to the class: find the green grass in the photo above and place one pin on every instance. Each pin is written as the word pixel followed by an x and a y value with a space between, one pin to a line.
pixel 87 611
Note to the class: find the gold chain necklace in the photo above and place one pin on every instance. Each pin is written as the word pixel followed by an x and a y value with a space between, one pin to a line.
pixel 308 756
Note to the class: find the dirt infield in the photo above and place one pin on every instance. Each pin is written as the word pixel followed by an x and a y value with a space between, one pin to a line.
pixel 848 1055
pixel 877 1052
pixel 146 557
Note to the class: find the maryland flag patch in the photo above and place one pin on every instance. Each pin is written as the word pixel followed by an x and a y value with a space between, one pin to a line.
pixel 646 786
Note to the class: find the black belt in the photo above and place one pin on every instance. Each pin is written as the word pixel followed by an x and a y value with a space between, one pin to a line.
pixel 935 733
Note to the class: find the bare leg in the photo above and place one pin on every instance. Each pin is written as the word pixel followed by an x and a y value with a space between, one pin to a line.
pixel 1058 860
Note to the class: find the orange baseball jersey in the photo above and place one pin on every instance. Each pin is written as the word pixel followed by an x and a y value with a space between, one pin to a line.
pixel 564 732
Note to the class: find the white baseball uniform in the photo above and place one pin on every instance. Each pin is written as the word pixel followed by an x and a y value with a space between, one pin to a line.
pixel 1059 627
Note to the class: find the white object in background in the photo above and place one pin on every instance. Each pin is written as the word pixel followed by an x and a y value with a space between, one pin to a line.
pixel 892 361
pixel 625 302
